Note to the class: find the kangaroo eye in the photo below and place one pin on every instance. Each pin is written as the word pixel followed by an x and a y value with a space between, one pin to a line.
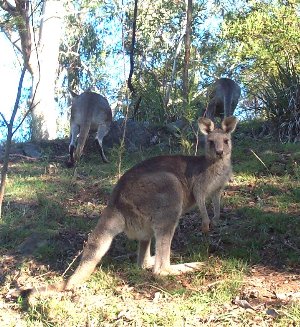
pixel 226 141
pixel 211 143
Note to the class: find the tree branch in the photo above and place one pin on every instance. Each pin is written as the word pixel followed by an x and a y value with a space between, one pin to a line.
pixel 5 121
pixel 11 41
pixel 25 116
pixel 16 106
pixel 5 5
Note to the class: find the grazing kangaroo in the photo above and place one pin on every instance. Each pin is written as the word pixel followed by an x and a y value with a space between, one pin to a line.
pixel 223 97
pixel 89 112
pixel 149 200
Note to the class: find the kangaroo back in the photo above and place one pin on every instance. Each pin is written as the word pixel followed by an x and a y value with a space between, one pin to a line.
pixel 223 96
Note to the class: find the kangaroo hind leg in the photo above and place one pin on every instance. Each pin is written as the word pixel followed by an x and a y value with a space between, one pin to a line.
pixel 101 132
pixel 73 138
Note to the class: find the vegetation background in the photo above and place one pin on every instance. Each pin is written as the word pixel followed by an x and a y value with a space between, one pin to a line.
pixel 153 60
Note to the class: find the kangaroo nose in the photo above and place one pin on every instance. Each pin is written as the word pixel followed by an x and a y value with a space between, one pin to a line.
pixel 219 153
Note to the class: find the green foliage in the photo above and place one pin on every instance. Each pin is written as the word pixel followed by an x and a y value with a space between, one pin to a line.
pixel 84 48
pixel 159 56
pixel 281 99
pixel 264 39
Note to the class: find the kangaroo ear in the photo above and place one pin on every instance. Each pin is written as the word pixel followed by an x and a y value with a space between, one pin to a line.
pixel 73 94
pixel 206 125
pixel 229 124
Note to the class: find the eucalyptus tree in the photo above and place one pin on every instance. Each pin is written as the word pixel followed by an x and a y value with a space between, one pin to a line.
pixel 34 29
pixel 160 54
pixel 264 38
pixel 187 53
pixel 88 42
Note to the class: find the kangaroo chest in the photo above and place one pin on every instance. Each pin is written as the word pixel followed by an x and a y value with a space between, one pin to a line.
pixel 213 179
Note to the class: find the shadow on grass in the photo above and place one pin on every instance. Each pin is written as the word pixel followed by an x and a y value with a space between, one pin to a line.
pixel 249 234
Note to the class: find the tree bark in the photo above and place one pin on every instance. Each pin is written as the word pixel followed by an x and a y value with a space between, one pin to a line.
pixel 44 63
pixel 170 84
pixel 187 52
pixel 131 55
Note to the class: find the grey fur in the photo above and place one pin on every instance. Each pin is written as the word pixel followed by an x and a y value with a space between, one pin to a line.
pixel 89 112
pixel 223 97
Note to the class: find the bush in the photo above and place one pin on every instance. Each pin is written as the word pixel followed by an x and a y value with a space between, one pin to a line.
pixel 281 99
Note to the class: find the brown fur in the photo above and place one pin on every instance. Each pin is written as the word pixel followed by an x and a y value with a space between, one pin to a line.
pixel 89 112
pixel 150 198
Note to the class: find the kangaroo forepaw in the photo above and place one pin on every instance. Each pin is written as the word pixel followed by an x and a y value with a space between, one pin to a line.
pixel 205 227
pixel 148 263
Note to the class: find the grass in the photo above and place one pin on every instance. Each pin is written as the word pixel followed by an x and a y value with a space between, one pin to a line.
pixel 255 249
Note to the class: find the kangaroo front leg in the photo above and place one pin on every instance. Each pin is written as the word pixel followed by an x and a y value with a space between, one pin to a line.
pixel 204 215
pixel 145 260
pixel 216 199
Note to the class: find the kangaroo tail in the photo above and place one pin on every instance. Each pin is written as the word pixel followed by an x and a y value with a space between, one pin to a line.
pixel 110 224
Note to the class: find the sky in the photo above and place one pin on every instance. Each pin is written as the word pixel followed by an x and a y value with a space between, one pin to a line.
pixel 10 72
pixel 9 75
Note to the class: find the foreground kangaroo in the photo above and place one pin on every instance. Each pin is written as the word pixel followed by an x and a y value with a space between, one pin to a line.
pixel 89 112
pixel 150 198
pixel 223 97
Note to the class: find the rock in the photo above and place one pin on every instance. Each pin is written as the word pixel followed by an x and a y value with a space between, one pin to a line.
pixel 32 150
pixel 137 134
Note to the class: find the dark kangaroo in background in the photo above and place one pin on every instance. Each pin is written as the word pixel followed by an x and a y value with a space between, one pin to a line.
pixel 89 112
pixel 223 97
pixel 149 200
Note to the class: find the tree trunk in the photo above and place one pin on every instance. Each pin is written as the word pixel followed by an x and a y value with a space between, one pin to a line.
pixel 44 64
pixel 187 52
pixel 39 48
pixel 131 55
pixel 170 84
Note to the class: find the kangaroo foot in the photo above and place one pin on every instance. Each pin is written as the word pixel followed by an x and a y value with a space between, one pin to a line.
pixel 181 268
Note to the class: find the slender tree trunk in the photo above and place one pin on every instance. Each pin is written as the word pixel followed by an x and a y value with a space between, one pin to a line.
pixel 170 84
pixel 40 49
pixel 187 52
pixel 10 133
pixel 44 63
pixel 131 55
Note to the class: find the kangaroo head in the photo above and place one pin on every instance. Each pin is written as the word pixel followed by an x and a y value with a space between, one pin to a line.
pixel 218 140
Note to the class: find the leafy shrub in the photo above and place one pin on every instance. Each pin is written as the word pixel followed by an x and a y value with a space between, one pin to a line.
pixel 281 99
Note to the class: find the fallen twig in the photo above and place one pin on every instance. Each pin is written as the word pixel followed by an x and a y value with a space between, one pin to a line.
pixel 70 265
